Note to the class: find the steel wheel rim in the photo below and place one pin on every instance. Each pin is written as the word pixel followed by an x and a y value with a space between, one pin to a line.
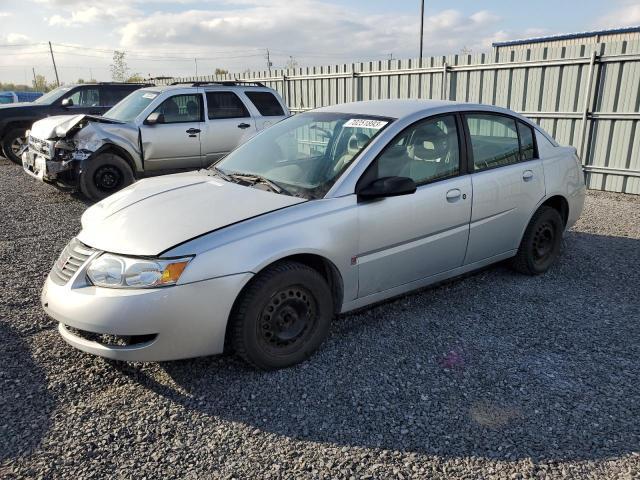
pixel 17 145
pixel 108 178
pixel 543 242
pixel 288 320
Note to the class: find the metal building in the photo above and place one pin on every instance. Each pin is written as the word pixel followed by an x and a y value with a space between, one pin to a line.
pixel 569 39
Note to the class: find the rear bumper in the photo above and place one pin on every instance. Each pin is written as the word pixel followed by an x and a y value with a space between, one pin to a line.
pixel 181 321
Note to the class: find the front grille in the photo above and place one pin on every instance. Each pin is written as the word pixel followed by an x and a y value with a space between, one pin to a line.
pixel 110 340
pixel 70 260
pixel 40 146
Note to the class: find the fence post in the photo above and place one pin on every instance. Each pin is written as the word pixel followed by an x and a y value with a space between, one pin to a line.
pixel 443 87
pixel 285 90
pixel 585 136
pixel 354 85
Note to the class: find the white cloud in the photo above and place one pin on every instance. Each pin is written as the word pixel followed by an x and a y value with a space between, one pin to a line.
pixel 13 38
pixel 81 16
pixel 313 27
pixel 626 16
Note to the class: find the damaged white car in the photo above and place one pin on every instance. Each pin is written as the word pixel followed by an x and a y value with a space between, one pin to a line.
pixel 153 130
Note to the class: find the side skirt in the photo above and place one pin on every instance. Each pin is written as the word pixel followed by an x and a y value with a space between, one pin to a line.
pixel 423 282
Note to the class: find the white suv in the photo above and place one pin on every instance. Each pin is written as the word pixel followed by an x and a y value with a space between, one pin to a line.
pixel 154 129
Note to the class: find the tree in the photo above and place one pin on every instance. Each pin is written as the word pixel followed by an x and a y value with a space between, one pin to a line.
pixel 136 78
pixel 40 84
pixel 221 72
pixel 292 63
pixel 119 67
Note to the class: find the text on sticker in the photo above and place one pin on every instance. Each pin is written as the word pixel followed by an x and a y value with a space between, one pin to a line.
pixel 365 123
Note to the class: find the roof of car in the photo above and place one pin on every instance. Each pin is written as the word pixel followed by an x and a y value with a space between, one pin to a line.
pixel 399 108
pixel 386 108
pixel 212 86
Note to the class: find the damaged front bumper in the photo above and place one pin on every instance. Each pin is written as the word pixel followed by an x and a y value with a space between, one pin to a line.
pixel 62 171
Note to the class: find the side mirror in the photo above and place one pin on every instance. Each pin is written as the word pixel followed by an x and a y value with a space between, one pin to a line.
pixel 67 102
pixel 387 187
pixel 154 118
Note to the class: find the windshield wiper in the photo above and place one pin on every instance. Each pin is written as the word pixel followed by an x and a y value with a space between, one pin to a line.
pixel 252 178
pixel 220 173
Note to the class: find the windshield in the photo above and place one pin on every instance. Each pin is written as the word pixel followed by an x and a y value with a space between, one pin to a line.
pixel 304 154
pixel 127 109
pixel 52 96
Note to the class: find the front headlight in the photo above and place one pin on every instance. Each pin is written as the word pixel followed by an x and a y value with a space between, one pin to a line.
pixel 114 271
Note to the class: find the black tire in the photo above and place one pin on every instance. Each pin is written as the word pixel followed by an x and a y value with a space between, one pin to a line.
pixel 12 142
pixel 104 175
pixel 282 317
pixel 540 245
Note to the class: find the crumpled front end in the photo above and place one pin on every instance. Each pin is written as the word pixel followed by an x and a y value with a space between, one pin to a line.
pixel 56 152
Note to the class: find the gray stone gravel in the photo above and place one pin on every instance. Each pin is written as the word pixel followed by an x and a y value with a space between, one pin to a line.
pixel 493 376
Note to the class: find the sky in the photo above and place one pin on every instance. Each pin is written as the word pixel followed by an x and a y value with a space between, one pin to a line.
pixel 180 37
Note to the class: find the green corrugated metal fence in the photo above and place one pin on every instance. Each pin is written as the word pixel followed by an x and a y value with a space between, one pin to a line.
pixel 584 95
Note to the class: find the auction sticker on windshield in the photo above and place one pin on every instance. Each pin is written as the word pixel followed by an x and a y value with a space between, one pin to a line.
pixel 150 95
pixel 365 123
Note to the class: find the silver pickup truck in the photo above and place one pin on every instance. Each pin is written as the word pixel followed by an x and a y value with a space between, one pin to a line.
pixel 153 130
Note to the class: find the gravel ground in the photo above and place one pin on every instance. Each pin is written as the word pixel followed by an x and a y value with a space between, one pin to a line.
pixel 494 376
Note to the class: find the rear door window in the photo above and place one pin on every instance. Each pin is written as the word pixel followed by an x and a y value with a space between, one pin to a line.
pixel 494 140
pixel 266 103
pixel 109 96
pixel 225 105
pixel 527 145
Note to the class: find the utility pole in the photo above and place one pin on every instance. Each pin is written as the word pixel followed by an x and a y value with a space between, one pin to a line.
pixel 268 62
pixel 421 30
pixel 34 76
pixel 196 62
pixel 55 69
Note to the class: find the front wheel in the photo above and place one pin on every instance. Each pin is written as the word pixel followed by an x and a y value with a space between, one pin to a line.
pixel 103 175
pixel 282 316
pixel 540 245
pixel 13 143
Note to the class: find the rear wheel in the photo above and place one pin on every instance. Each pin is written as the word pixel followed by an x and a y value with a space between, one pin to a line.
pixel 13 144
pixel 540 245
pixel 104 175
pixel 282 316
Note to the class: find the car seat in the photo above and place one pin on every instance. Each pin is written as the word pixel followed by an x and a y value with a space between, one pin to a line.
pixel 356 143
pixel 193 110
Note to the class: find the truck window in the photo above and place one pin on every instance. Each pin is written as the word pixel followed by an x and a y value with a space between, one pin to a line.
pixel 109 96
pixel 266 103
pixel 225 105
pixel 85 97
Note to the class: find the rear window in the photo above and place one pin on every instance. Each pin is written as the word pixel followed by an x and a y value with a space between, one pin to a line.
pixel 266 103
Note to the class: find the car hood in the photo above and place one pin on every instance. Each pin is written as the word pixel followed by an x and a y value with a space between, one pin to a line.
pixel 55 127
pixel 9 106
pixel 155 214
pixel 60 126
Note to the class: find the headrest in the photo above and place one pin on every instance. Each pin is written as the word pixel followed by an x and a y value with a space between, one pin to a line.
pixel 357 141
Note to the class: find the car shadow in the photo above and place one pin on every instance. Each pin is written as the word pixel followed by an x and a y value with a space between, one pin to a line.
pixel 25 402
pixel 496 365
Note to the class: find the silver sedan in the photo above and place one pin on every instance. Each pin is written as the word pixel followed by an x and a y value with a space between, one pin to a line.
pixel 325 212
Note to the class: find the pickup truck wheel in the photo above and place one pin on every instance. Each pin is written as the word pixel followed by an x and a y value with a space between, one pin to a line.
pixel 282 316
pixel 104 175
pixel 540 245
pixel 12 144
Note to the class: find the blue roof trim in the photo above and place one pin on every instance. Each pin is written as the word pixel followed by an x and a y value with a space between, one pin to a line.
pixel 568 36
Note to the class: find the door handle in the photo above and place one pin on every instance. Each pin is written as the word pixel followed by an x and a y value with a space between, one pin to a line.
pixel 193 131
pixel 527 175
pixel 453 195
pixel 244 125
